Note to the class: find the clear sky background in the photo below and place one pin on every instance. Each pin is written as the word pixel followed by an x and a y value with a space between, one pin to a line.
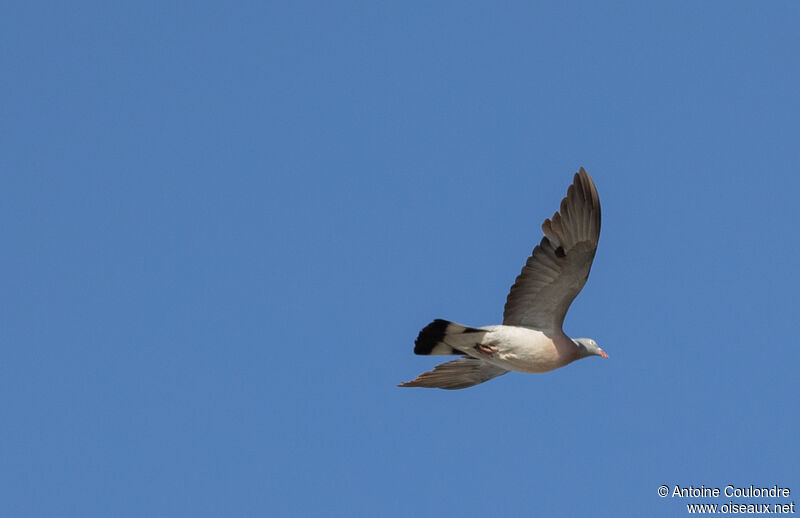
pixel 224 224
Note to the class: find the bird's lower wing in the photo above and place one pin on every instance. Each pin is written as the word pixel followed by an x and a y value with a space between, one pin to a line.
pixel 456 374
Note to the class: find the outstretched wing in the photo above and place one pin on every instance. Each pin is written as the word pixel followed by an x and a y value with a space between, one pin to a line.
pixel 456 374
pixel 559 266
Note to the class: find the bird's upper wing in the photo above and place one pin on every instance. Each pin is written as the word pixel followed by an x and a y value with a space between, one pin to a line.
pixel 559 266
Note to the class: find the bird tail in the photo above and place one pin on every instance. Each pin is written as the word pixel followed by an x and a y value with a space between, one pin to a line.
pixel 456 374
pixel 441 337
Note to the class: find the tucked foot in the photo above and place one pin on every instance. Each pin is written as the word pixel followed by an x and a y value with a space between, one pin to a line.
pixel 486 350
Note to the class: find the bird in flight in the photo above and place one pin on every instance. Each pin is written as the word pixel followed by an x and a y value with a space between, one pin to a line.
pixel 531 338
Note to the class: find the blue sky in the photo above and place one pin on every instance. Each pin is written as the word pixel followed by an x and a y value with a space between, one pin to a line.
pixel 224 225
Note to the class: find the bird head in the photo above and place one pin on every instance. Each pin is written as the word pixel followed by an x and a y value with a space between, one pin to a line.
pixel 588 347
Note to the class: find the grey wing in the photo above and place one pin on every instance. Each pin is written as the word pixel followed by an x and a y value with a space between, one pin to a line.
pixel 559 265
pixel 456 374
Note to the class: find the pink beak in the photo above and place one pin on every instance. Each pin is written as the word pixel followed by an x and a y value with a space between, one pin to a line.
pixel 603 353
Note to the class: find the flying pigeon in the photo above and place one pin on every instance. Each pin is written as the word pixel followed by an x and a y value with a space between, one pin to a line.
pixel 530 338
